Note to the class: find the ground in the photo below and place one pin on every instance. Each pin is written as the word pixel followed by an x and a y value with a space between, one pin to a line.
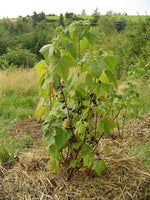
pixel 124 179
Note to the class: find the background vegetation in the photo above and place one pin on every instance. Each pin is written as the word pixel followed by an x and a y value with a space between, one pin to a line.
pixel 128 37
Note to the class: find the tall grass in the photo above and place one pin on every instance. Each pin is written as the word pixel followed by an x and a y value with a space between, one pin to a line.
pixel 18 97
pixel 19 82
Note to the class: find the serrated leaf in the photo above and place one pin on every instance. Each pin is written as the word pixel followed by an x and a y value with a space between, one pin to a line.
pixel 72 164
pixel 81 128
pixel 97 66
pixel 110 60
pixel 40 68
pixel 80 83
pixel 55 108
pixel 100 89
pixel 105 125
pixel 99 166
pixel 89 82
pixel 61 138
pixel 61 67
pixel 49 137
pixel 70 47
pixel 90 37
pixel 47 52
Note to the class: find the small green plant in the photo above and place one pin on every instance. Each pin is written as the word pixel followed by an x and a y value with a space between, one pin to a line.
pixel 81 107
pixel 143 152
pixel 8 151
pixel 11 148
pixel 72 104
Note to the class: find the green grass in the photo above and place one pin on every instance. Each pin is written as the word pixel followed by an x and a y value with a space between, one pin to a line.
pixel 143 152
pixel 18 98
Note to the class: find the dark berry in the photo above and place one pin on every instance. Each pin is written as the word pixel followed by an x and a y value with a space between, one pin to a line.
pixel 63 107
pixel 64 118
pixel 92 138
pixel 82 107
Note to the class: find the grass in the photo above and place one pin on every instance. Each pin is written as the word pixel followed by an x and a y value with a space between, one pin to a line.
pixel 18 97
pixel 143 152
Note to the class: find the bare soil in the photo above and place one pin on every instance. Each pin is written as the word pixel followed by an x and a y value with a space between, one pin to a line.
pixel 124 179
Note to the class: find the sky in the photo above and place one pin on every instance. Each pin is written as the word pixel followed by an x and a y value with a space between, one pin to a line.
pixel 15 8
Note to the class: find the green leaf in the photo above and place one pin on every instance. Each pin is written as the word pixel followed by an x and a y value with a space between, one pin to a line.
pixel 55 108
pixel 80 83
pixel 87 158
pixel 100 89
pixel 70 47
pixel 99 166
pixel 41 68
pixel 61 138
pixel 53 164
pixel 41 103
pixel 105 125
pixel 97 66
pixel 61 66
pixel 49 137
pixel 89 82
pixel 53 151
pixel 81 128
pixel 110 60
pixel 90 37
pixel 111 77
pixel 72 164
pixel 47 52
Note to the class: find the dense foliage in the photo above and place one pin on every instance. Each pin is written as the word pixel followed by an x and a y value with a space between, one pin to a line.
pixel 130 41
pixel 79 101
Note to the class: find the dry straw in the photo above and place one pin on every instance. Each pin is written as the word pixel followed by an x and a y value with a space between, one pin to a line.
pixel 124 179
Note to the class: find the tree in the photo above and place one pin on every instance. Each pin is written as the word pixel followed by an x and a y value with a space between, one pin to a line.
pixel 96 16
pixel 61 20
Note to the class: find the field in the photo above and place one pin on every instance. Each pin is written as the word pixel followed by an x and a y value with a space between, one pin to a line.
pixel 24 173
pixel 133 18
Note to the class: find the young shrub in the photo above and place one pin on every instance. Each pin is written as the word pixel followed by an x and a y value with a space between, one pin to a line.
pixel 74 84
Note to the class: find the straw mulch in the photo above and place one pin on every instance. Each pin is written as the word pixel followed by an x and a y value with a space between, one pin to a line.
pixel 124 179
